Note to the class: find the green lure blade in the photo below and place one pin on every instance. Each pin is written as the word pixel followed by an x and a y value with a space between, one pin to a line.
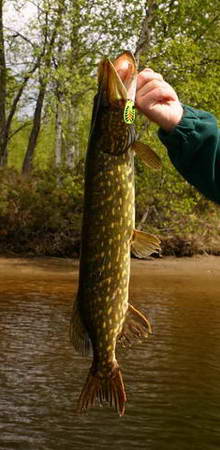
pixel 129 112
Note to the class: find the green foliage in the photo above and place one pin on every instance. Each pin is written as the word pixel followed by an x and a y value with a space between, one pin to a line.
pixel 41 213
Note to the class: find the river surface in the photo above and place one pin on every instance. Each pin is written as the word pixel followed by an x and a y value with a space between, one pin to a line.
pixel 172 379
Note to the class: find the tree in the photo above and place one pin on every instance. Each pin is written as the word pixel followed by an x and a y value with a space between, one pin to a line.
pixel 178 38
pixel 185 47
pixel 49 31
pixel 9 108
pixel 3 133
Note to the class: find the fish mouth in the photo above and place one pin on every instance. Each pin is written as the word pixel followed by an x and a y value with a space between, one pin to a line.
pixel 118 78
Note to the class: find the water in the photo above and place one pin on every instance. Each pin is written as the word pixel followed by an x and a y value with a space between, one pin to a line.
pixel 172 379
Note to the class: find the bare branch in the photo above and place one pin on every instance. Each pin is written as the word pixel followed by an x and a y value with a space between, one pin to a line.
pixel 19 94
pixel 24 125
pixel 18 34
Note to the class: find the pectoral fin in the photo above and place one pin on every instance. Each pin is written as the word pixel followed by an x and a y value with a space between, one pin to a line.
pixel 144 244
pixel 148 156
pixel 135 326
pixel 78 334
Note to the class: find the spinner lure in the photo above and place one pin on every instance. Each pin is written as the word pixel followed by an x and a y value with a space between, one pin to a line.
pixel 129 112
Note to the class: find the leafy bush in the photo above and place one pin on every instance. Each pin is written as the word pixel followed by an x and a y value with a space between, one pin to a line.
pixel 42 213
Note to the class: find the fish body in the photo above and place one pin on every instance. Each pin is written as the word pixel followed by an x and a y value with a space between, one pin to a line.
pixel 101 306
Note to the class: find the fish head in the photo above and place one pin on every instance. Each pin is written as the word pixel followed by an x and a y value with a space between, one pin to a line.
pixel 118 90
pixel 114 92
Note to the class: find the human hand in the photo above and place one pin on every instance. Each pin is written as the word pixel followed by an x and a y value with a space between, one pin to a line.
pixel 157 100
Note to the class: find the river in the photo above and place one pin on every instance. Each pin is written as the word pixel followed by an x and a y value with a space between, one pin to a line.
pixel 172 379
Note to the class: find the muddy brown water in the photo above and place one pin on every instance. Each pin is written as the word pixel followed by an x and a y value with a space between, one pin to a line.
pixel 172 379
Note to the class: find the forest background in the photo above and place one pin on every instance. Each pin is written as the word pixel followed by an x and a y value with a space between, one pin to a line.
pixel 48 67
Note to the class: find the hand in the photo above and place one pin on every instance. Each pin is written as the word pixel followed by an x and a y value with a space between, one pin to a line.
pixel 157 100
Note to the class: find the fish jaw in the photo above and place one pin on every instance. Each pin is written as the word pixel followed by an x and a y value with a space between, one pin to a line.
pixel 126 66
pixel 116 90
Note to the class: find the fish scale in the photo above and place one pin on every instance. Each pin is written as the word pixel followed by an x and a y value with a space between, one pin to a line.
pixel 101 306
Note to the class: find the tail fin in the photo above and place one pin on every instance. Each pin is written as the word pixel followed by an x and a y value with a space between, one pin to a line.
pixel 108 389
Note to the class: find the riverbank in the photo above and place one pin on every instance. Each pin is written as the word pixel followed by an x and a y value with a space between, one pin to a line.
pixel 53 246
pixel 41 215
pixel 201 267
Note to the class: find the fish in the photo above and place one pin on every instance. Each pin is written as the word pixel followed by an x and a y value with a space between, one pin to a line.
pixel 102 317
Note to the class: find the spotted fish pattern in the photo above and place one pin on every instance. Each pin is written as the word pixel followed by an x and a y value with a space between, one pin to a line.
pixel 101 306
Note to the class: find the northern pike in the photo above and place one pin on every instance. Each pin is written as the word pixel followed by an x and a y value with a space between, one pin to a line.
pixel 102 315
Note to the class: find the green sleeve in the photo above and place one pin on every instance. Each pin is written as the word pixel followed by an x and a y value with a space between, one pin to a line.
pixel 194 149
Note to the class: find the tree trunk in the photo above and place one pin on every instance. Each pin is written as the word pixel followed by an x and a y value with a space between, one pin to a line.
pixel 145 31
pixel 3 136
pixel 59 101
pixel 71 147
pixel 70 156
pixel 28 159
pixel 58 135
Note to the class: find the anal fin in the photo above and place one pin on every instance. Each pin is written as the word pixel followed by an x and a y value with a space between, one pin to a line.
pixel 148 156
pixel 135 326
pixel 78 334
pixel 144 244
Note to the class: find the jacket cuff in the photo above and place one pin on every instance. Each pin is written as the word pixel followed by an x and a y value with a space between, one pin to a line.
pixel 184 127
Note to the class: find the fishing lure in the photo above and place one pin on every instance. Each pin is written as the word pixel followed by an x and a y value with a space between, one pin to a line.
pixel 129 112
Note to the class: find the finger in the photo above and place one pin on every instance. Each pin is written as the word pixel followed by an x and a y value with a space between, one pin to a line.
pixel 156 96
pixel 147 75
pixel 159 86
pixel 149 86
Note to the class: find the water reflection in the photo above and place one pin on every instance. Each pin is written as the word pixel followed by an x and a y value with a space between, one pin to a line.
pixel 172 380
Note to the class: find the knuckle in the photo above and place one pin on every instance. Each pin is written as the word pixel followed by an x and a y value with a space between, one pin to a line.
pixel 156 83
pixel 147 69
pixel 158 76
pixel 144 75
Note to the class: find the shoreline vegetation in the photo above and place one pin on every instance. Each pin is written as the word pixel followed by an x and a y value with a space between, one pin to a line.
pixel 48 79
pixel 40 215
